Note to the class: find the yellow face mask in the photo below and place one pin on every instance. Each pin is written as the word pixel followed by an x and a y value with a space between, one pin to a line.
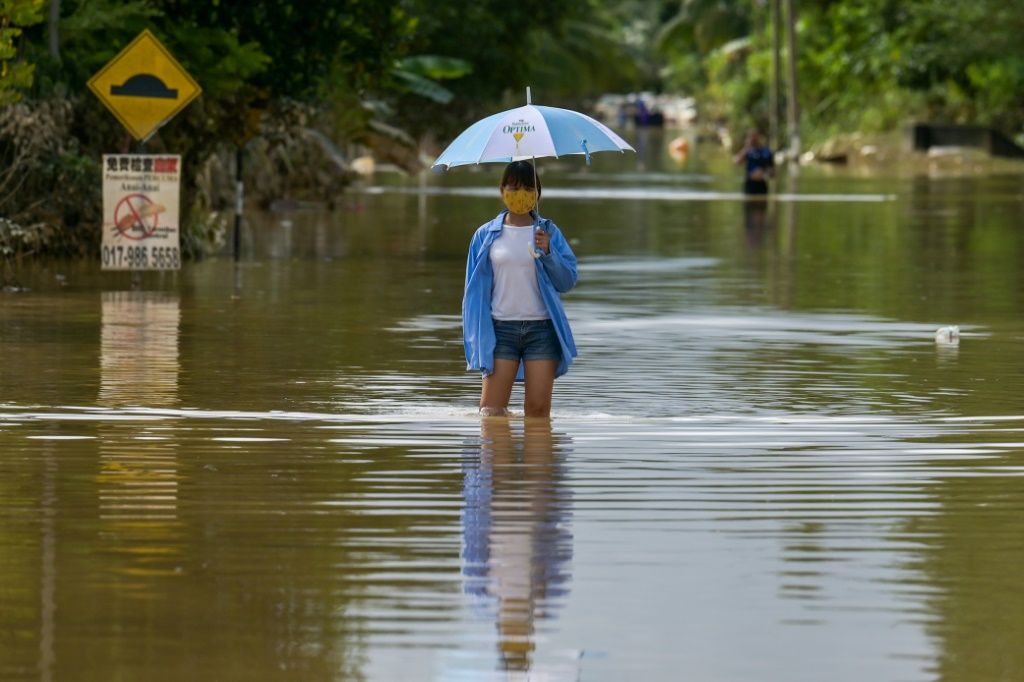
pixel 519 200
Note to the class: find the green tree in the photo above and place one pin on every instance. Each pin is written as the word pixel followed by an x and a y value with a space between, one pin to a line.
pixel 15 75
pixel 603 47
pixel 704 25
pixel 309 43
pixel 868 65
pixel 499 39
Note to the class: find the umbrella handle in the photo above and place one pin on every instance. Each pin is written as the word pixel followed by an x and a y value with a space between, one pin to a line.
pixel 534 251
pixel 533 247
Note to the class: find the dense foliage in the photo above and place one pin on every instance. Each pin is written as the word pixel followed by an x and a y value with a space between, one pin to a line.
pixel 303 83
pixel 298 83
pixel 862 64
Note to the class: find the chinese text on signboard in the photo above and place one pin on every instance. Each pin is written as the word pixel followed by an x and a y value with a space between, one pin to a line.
pixel 140 212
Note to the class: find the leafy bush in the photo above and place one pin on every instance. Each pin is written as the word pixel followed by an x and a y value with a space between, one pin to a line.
pixel 47 186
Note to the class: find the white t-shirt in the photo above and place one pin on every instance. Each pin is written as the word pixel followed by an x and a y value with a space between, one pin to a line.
pixel 516 294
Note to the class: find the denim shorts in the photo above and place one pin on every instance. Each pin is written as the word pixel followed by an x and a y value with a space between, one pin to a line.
pixel 526 340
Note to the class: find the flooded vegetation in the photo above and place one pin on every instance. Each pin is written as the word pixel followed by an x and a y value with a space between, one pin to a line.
pixel 762 465
pixel 790 448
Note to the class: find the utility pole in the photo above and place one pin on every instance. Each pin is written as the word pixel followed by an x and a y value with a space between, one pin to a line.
pixel 236 241
pixel 776 85
pixel 53 29
pixel 793 110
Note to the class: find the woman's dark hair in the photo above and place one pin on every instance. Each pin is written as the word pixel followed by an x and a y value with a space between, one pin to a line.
pixel 520 174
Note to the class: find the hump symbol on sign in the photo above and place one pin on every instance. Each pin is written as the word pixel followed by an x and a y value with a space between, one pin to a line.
pixel 144 85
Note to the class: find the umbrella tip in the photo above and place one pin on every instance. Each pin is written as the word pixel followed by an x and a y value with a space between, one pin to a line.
pixel 529 100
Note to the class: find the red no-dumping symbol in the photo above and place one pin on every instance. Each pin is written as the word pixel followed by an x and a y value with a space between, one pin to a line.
pixel 135 216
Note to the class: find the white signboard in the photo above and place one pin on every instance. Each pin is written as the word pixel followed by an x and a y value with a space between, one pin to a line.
pixel 141 206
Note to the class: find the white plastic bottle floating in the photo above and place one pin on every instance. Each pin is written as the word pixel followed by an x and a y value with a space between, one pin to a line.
pixel 948 335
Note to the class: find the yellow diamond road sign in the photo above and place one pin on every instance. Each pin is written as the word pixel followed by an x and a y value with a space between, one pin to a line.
pixel 144 86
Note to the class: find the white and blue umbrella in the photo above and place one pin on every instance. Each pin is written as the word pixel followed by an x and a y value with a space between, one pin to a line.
pixel 530 132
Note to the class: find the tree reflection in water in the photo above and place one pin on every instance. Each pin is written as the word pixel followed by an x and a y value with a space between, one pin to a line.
pixel 517 543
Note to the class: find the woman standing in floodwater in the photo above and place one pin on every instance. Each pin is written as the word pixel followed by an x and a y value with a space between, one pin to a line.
pixel 513 324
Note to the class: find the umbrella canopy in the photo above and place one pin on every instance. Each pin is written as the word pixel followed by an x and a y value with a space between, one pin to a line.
pixel 530 132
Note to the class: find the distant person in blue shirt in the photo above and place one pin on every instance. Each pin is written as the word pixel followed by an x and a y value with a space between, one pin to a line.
pixel 760 163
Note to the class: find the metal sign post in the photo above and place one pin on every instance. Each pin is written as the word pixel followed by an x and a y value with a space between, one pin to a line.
pixel 144 87
pixel 239 202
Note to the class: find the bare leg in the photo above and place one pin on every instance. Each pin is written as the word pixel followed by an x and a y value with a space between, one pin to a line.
pixel 497 388
pixel 540 380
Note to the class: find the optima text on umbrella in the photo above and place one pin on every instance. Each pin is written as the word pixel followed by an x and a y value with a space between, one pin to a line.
pixel 521 127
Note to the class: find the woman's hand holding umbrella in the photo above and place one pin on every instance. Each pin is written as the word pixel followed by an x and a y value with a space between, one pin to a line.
pixel 542 241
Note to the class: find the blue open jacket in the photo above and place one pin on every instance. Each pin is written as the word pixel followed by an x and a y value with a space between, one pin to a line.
pixel 556 272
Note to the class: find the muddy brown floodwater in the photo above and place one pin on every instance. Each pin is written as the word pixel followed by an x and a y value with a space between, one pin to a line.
pixel 761 467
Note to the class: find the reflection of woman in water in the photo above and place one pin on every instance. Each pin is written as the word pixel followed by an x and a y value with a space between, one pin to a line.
pixel 517 542
pixel 759 162
pixel 755 222
pixel 514 326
